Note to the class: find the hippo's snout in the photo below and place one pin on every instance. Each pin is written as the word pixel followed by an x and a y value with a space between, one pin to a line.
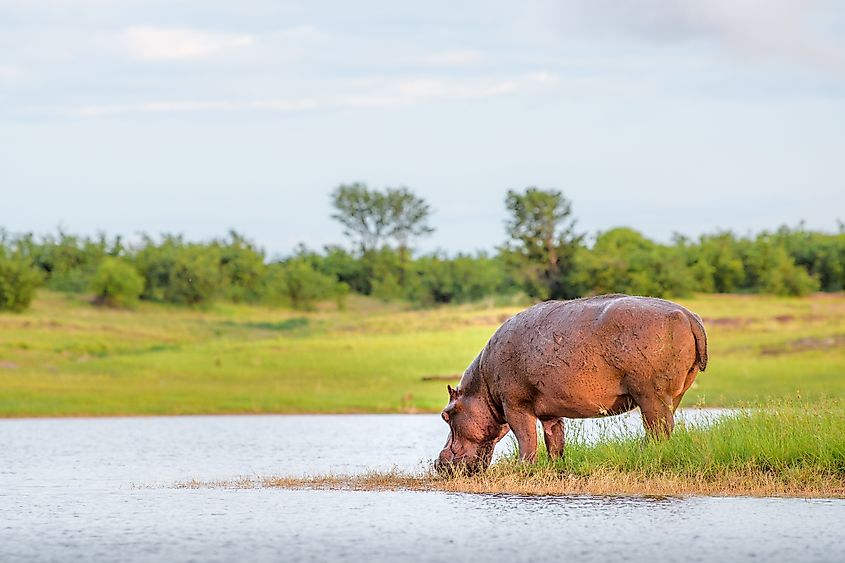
pixel 447 464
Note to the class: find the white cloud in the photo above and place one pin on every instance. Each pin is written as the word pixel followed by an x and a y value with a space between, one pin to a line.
pixel 8 74
pixel 454 58
pixel 542 77
pixel 779 28
pixel 177 44
pixel 187 106
pixel 371 94
pixel 415 90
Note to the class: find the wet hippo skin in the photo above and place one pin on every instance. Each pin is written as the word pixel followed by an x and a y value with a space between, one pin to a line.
pixel 582 358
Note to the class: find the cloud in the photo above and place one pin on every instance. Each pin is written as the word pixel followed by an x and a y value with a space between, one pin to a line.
pixel 388 93
pixel 188 106
pixel 8 73
pixel 371 94
pixel 454 58
pixel 770 28
pixel 179 44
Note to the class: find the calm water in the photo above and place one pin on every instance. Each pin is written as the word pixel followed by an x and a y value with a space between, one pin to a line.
pixel 67 492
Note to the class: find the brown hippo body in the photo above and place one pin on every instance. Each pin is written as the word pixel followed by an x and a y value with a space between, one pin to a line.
pixel 582 358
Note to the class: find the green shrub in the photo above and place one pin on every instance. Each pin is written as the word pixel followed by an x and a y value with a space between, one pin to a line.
pixel 196 277
pixel 243 269
pixel 772 270
pixel 298 284
pixel 179 272
pixel 116 283
pixel 68 262
pixel 456 280
pixel 18 280
pixel 622 260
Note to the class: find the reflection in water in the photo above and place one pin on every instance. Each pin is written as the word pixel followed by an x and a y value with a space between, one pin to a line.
pixel 65 494
pixel 505 501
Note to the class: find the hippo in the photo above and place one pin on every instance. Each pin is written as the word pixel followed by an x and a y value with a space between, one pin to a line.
pixel 582 358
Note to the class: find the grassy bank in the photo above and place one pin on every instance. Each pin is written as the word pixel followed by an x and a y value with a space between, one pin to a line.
pixel 65 357
pixel 786 449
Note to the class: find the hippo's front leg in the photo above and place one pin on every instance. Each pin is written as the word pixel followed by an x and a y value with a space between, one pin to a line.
pixel 524 426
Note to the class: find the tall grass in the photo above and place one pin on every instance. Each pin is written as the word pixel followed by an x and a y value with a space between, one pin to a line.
pixel 783 436
pixel 783 447
pixel 779 449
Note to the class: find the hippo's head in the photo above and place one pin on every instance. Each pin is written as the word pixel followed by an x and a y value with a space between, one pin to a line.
pixel 473 433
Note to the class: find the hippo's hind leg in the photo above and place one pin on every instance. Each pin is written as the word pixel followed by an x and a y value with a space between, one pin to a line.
pixel 524 427
pixel 658 415
pixel 554 437
pixel 653 394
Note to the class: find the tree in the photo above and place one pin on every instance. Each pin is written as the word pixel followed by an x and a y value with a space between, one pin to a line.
pixel 180 272
pixel 295 282
pixel 543 241
pixel 116 283
pixel 623 260
pixel 717 263
pixel 770 269
pixel 408 217
pixel 18 280
pixel 372 217
pixel 362 212
pixel 243 268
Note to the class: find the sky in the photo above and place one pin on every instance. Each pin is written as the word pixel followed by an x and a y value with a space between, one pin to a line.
pixel 197 117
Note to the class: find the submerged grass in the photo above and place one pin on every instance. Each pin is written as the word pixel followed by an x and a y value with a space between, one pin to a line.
pixel 782 449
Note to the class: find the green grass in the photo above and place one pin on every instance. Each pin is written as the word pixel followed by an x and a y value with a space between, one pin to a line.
pixel 780 439
pixel 784 448
pixel 787 448
pixel 65 357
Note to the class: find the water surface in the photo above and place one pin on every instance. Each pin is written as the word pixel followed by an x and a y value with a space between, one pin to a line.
pixel 68 491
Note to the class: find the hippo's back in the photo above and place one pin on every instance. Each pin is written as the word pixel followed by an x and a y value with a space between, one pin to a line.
pixel 589 343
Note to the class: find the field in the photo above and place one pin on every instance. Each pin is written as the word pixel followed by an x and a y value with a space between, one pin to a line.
pixel 65 357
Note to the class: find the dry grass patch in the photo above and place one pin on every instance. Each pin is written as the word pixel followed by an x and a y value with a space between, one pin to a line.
pixel 602 482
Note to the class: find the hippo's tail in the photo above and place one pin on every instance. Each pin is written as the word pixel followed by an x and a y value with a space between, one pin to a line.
pixel 700 339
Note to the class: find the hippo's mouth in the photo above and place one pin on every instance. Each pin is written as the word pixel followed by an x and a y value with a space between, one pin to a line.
pixel 465 464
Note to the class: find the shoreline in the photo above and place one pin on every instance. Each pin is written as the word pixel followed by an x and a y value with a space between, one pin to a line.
pixel 750 484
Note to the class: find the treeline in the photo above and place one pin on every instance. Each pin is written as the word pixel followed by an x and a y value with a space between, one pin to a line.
pixel 543 257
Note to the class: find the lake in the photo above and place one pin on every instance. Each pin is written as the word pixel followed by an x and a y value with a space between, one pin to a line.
pixel 102 490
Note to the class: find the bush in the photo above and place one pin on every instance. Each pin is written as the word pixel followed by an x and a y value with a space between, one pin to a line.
pixel 456 280
pixel 196 277
pixel 116 283
pixel 176 272
pixel 624 261
pixel 18 280
pixel 68 262
pixel 717 263
pixel 298 284
pixel 785 278
pixel 772 270
pixel 243 269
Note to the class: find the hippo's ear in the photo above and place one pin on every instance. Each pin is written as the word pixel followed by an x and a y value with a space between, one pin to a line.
pixel 452 392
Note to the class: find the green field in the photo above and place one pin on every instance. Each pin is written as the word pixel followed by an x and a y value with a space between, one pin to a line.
pixel 66 357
